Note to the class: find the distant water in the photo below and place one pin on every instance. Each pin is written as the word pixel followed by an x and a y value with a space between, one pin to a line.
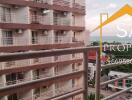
pixel 111 39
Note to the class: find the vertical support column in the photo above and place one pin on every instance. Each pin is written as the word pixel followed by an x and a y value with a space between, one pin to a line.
pixel 98 75
pixel 85 62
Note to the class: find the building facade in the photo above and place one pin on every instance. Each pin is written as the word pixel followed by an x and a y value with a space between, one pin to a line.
pixel 30 25
pixel 120 84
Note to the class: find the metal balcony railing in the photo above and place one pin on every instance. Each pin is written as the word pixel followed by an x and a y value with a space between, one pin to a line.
pixel 61 21
pixel 61 2
pixel 64 71
pixel 14 64
pixel 8 83
pixel 44 75
pixel 78 6
pixel 51 93
pixel 40 39
pixel 6 18
pixel 40 19
pixel 12 18
pixel 35 54
pixel 41 1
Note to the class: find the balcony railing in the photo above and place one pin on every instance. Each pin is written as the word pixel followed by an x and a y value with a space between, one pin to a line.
pixel 52 93
pixel 6 18
pixel 14 64
pixel 12 18
pixel 78 6
pixel 44 75
pixel 30 55
pixel 13 82
pixel 41 1
pixel 61 2
pixel 40 19
pixel 64 71
pixel 40 39
pixel 61 21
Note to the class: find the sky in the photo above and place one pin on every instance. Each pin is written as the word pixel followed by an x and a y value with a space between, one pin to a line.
pixel 95 7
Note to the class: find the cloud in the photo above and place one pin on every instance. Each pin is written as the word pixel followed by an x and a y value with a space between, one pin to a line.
pixel 112 5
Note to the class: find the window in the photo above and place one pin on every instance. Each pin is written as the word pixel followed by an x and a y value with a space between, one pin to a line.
pixel 7 37
pixel 13 97
pixel 6 14
pixel 37 92
pixel 34 37
pixel 73 82
pixel 120 83
pixel 128 85
pixel 56 58
pixel 11 78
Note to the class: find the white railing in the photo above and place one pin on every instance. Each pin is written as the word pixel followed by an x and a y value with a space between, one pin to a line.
pixel 65 71
pixel 14 41
pixel 61 21
pixel 62 58
pixel 40 19
pixel 40 1
pixel 61 2
pixel 6 18
pixel 17 81
pixel 62 39
pixel 45 74
pixel 14 64
pixel 79 6
pixel 13 18
pixel 51 93
pixel 40 39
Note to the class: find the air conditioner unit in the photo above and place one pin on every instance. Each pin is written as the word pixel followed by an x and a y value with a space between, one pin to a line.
pixel 65 13
pixel 45 32
pixel 19 31
pixel 45 11
pixel 64 32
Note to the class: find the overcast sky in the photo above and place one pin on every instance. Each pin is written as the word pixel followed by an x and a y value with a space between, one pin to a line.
pixel 95 7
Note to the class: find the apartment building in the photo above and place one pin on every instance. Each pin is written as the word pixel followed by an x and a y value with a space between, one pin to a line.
pixel 120 84
pixel 30 25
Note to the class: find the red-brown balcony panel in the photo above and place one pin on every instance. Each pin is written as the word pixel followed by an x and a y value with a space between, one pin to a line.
pixel 40 27
pixel 61 2
pixel 37 83
pixel 78 8
pixel 37 66
pixel 33 4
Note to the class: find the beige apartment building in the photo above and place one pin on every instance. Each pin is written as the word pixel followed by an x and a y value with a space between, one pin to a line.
pixel 30 25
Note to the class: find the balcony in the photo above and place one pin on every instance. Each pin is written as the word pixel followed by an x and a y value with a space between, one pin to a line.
pixel 40 19
pixel 16 41
pixel 45 74
pixel 61 77
pixel 6 18
pixel 14 78
pixel 61 2
pixel 61 21
pixel 41 1
pixel 14 64
pixel 77 6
